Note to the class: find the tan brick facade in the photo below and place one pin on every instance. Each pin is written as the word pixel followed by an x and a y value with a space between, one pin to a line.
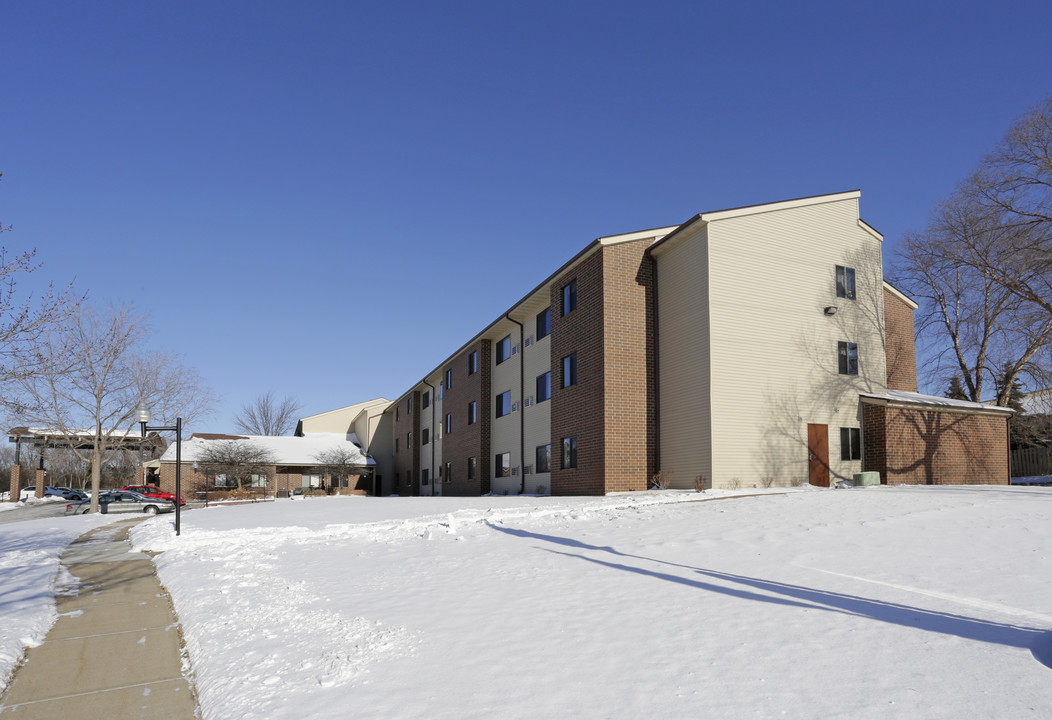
pixel 468 440
pixel 932 447
pixel 577 411
pixel 899 341
pixel 407 444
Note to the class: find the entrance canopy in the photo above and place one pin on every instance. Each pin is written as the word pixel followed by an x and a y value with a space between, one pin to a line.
pixel 76 439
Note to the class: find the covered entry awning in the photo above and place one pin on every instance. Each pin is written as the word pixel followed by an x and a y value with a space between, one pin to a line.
pixel 76 439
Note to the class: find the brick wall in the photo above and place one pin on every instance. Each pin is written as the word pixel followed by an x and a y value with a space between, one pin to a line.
pixel 578 410
pixel 466 441
pixel 612 409
pixel 899 345
pixel 407 459
pixel 630 392
pixel 932 447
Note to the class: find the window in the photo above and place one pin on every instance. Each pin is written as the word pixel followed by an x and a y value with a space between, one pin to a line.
pixel 449 378
pixel 544 387
pixel 850 444
pixel 845 282
pixel 504 403
pixel 570 297
pixel 544 458
pixel 471 468
pixel 396 444
pixel 409 404
pixel 569 452
pixel 544 323
pixel 424 479
pixel 472 413
pixel 408 440
pixel 449 423
pixel 847 358
pixel 425 401
pixel 502 465
pixel 425 436
pixel 310 480
pixel 504 349
pixel 396 412
pixel 570 370
pixel 449 472
pixel 473 362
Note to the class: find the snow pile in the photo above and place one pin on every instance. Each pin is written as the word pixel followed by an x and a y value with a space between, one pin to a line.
pixel 862 603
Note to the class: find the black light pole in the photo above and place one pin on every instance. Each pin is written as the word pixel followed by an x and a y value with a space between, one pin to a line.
pixel 144 417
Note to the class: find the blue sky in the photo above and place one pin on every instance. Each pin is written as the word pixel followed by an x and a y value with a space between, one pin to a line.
pixel 289 189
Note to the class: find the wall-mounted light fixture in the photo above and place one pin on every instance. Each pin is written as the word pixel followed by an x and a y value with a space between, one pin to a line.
pixel 831 310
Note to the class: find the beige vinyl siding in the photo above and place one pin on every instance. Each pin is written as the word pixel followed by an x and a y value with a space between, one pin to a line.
pixel 504 432
pixel 683 354
pixel 538 431
pixel 774 352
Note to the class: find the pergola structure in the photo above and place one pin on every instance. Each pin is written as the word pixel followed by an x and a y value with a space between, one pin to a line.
pixel 74 439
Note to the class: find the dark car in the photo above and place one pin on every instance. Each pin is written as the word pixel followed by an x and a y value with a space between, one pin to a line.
pixel 72 493
pixel 120 501
pixel 153 491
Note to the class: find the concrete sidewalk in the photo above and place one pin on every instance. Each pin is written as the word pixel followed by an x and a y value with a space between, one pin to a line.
pixel 115 651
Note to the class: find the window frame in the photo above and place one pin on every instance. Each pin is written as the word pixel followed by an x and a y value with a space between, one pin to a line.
pixel 499 407
pixel 544 323
pixel 569 297
pixel 569 365
pixel 449 378
pixel 473 412
pixel 425 400
pixel 449 423
pixel 847 358
pixel 568 461
pixel 498 466
pixel 546 456
pixel 845 282
pixel 850 443
pixel 547 387
pixel 472 466
pixel 503 350
pixel 425 436
pixel 473 362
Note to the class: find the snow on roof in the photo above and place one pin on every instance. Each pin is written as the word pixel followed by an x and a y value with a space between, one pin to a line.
pixel 74 432
pixel 289 450
pixel 911 398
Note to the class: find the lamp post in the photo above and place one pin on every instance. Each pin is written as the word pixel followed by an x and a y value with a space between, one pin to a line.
pixel 144 417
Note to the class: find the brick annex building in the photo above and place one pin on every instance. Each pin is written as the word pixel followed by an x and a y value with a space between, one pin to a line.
pixel 754 346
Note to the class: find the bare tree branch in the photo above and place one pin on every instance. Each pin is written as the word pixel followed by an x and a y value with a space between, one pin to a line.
pixel 267 416
pixel 93 377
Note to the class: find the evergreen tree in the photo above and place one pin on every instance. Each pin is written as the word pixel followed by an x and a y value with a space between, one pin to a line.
pixel 956 390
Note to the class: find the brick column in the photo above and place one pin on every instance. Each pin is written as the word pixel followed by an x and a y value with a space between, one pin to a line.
pixel 16 482
pixel 40 483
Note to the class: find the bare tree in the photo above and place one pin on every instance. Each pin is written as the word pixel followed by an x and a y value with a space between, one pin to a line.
pixel 23 317
pixel 983 267
pixel 267 416
pixel 237 460
pixel 92 379
pixel 339 463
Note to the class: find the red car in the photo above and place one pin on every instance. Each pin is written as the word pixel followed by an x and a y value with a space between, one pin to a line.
pixel 153 491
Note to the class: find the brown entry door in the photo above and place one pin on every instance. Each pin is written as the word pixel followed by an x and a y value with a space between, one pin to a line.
pixel 818 455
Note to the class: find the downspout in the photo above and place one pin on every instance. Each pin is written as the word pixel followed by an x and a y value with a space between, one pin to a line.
pixel 657 377
pixel 522 407
pixel 434 435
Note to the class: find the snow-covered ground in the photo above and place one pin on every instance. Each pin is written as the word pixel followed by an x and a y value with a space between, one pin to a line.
pixel 906 602
pixel 29 562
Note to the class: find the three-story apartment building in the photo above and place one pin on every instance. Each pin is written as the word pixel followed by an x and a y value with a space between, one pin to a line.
pixel 754 346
